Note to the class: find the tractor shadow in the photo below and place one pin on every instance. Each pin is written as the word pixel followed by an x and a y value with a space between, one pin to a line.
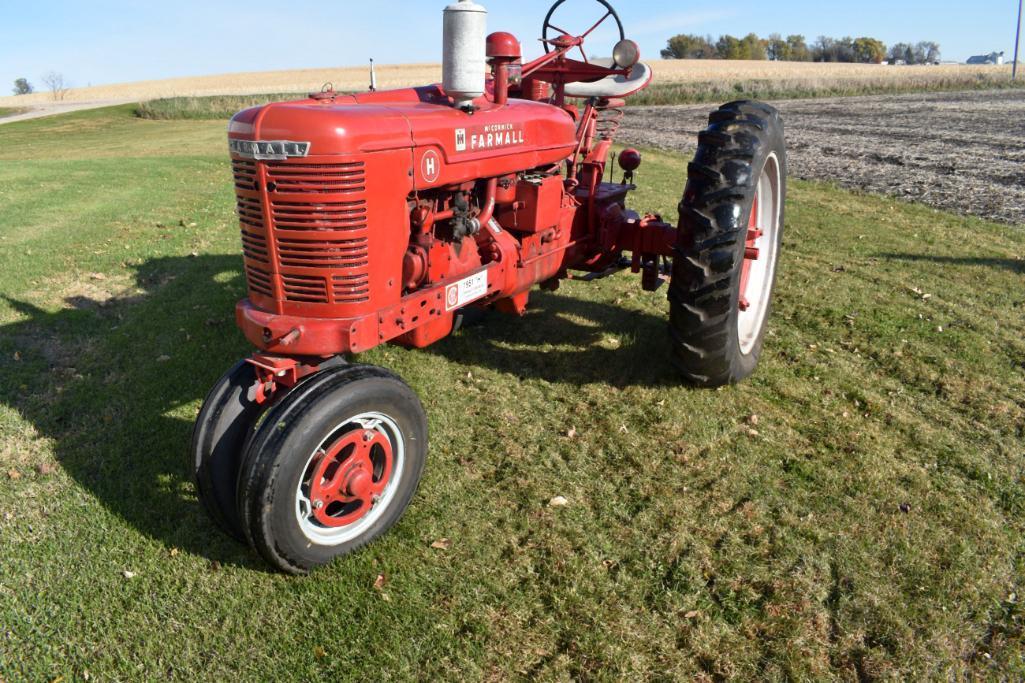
pixel 562 339
pixel 113 384
pixel 114 380
pixel 1013 265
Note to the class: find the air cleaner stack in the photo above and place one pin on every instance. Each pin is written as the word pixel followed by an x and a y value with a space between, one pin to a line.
pixel 464 69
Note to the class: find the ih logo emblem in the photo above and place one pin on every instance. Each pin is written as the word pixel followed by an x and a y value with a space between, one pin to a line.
pixel 460 139
pixel 430 167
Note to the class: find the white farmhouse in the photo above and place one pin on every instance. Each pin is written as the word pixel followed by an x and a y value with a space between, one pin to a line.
pixel 993 58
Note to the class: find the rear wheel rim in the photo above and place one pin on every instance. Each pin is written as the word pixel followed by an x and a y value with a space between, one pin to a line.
pixel 350 479
pixel 760 250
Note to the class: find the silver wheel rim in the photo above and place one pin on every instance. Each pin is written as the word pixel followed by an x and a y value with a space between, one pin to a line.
pixel 763 269
pixel 316 532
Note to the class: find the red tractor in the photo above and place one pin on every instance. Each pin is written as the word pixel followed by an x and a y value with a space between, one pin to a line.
pixel 380 217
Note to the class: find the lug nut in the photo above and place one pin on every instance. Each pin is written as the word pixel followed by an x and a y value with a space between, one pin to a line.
pixel 317 504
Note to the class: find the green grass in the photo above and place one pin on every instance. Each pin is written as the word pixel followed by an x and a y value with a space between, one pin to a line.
pixel 695 546
pixel 206 108
pixel 10 111
pixel 791 89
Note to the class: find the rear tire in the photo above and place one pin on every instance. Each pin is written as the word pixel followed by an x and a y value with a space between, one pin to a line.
pixel 332 467
pixel 720 296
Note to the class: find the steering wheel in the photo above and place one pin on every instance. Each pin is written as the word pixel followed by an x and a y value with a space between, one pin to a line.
pixel 547 42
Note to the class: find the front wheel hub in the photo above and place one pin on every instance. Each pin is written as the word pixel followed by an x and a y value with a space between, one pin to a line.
pixel 359 484
pixel 346 477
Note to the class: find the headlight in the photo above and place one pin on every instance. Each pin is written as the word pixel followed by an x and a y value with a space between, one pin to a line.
pixel 626 54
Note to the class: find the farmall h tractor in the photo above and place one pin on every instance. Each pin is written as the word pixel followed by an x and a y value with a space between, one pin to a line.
pixel 379 217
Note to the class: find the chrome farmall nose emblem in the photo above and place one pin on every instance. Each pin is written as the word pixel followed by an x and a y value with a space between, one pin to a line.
pixel 268 150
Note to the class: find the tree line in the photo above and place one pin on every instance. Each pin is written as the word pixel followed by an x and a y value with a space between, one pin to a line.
pixel 795 48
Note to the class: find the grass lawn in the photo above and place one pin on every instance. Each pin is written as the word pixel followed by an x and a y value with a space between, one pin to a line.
pixel 9 111
pixel 855 511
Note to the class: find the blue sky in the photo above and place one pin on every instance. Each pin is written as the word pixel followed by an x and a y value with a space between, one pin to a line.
pixel 110 41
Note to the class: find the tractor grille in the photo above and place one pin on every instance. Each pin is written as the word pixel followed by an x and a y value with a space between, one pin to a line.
pixel 259 281
pixel 316 178
pixel 301 253
pixel 318 223
pixel 245 174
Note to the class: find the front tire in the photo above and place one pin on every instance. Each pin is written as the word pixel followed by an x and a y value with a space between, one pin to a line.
pixel 731 220
pixel 332 467
pixel 225 421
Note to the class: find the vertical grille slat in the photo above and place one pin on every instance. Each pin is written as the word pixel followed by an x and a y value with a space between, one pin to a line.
pixel 318 226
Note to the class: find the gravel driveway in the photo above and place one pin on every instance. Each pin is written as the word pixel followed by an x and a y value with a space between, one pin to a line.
pixel 38 111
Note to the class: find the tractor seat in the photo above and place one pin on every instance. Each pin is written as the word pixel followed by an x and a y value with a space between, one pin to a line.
pixel 613 86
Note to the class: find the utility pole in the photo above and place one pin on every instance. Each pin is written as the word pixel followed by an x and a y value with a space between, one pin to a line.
pixel 1017 42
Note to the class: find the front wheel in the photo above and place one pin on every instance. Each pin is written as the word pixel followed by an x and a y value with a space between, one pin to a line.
pixel 227 418
pixel 332 467
pixel 731 218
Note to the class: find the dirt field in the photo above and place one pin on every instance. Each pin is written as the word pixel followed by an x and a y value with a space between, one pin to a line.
pixel 963 152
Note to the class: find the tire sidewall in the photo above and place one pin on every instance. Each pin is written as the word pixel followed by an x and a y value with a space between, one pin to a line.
pixel 771 143
pixel 223 426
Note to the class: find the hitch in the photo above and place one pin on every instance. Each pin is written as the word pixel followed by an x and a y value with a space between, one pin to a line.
pixel 650 239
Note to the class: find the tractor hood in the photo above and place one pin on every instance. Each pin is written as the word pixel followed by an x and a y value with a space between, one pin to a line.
pixel 328 129
pixel 448 145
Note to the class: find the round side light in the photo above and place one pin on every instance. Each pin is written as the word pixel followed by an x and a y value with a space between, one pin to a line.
pixel 626 54
pixel 630 159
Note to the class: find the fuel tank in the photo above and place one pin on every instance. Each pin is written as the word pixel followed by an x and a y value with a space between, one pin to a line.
pixel 450 146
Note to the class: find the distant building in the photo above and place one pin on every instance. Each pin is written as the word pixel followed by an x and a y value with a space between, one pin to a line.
pixel 995 58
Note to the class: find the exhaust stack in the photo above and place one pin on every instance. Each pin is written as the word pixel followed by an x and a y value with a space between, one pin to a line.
pixel 464 63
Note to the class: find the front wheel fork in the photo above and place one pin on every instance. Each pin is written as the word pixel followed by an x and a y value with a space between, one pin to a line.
pixel 276 375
